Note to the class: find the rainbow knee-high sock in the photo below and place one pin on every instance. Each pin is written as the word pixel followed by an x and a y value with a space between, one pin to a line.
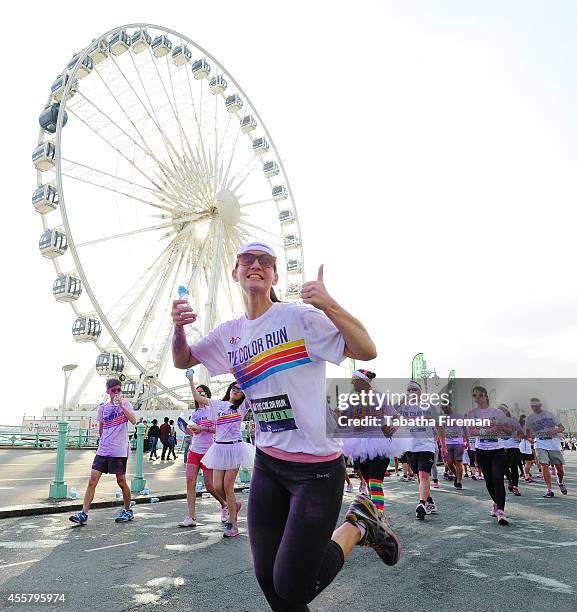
pixel 376 493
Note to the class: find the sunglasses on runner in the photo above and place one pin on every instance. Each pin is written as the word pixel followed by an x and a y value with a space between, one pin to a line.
pixel 247 259
pixel 115 389
pixel 236 389
pixel 203 393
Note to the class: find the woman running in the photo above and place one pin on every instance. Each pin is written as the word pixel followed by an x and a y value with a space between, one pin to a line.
pixel 372 448
pixel 490 450
pixel 201 427
pixel 229 451
pixel 278 353
pixel 512 452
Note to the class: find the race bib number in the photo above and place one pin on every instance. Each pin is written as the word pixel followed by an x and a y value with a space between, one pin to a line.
pixel 273 414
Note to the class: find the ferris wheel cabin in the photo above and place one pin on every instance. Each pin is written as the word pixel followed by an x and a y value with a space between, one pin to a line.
pixel 182 55
pixel 67 288
pixel 291 241
pixel 294 265
pixel 43 156
pixel 279 193
pixel 99 52
pixel 49 117
pixel 109 364
pixel 45 198
pixel 84 69
pixel 161 45
pixel 286 216
pixel 200 69
pixel 119 43
pixel 260 145
pixel 217 84
pixel 233 103
pixel 58 86
pixel 140 41
pixel 52 243
pixel 294 290
pixel 270 169
pixel 86 329
pixel 129 388
pixel 248 124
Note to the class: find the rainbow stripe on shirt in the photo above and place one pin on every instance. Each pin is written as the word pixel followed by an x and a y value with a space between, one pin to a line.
pixel 114 421
pixel 282 357
pixel 225 419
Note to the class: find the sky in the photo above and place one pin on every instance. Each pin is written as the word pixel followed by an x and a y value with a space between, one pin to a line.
pixel 433 142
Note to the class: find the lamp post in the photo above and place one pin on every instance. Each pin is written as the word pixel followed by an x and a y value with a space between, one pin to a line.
pixel 58 488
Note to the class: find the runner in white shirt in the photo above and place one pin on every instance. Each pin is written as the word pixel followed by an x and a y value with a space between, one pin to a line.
pixel 546 427
pixel 422 443
pixel 512 452
pixel 456 438
pixel 490 449
pixel 277 352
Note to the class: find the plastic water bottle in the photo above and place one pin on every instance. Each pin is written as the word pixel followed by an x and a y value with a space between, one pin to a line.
pixel 132 503
pixel 184 295
pixel 154 500
pixel 118 495
pixel 73 493
pixel 145 491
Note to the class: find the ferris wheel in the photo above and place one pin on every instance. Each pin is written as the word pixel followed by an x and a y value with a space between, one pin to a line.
pixel 153 167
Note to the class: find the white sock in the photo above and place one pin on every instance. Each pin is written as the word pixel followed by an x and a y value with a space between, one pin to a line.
pixel 361 528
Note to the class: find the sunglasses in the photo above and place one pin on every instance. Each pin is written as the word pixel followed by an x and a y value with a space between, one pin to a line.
pixel 479 395
pixel 236 389
pixel 247 259
pixel 203 393
pixel 115 389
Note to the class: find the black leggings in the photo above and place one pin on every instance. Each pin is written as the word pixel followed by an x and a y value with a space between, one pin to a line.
pixel 293 509
pixel 492 463
pixel 513 456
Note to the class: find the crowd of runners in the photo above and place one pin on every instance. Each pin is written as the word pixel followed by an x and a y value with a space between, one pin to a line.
pixel 277 354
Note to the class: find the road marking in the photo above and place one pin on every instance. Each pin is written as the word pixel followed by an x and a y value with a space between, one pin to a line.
pixel 546 584
pixel 19 563
pixel 111 546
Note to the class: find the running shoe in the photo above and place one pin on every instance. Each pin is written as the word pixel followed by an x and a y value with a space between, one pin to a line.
pixel 473 477
pixel 230 531
pixel 563 488
pixel 457 485
pixel 510 487
pixel 493 510
pixel 349 488
pixel 124 516
pixel 549 493
pixel 378 535
pixel 539 475
pixel 466 475
pixel 436 484
pixel 516 492
pixel 80 518
pixel 530 480
pixel 224 515
pixel 187 521
pixel 481 477
pixel 446 476
pixel 502 518
pixel 421 511
pixel 404 478
pixel 363 488
pixel 431 508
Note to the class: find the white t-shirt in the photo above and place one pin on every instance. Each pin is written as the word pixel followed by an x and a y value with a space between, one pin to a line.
pixel 421 437
pixel 279 360
pixel 228 420
pixel 512 441
pixel 489 440
pixel 525 447
pixel 541 425
pixel 454 433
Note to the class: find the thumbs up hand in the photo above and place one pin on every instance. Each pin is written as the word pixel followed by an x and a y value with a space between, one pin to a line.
pixel 315 292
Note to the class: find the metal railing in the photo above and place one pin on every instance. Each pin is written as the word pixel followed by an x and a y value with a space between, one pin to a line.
pixel 22 437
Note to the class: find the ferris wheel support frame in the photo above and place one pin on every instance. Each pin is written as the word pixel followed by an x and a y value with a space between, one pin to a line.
pixel 209 322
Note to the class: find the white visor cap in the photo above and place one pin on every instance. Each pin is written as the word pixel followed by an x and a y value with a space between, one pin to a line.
pixel 257 246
